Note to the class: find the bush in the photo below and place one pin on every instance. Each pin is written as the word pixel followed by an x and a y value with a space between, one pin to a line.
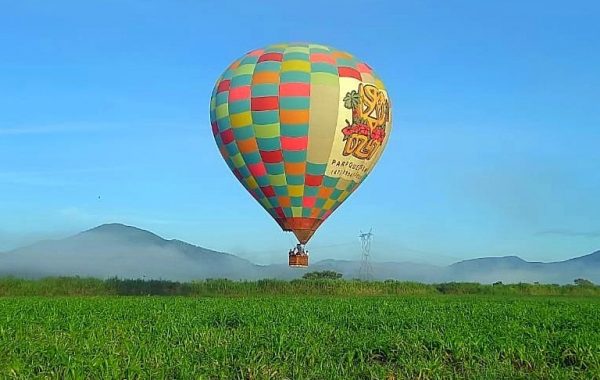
pixel 583 282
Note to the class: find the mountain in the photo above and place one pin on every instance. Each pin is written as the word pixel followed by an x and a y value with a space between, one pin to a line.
pixel 591 259
pixel 512 269
pixel 485 269
pixel 128 252
pixel 118 250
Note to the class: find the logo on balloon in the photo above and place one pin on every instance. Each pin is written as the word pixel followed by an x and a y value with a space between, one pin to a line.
pixel 370 115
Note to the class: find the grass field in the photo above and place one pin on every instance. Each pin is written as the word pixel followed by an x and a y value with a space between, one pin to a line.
pixel 300 337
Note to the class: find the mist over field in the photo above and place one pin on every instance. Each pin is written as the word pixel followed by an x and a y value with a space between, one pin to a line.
pixel 116 250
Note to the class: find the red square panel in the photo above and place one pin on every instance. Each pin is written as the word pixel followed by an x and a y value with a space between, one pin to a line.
pixel 349 72
pixel 309 202
pixel 223 85
pixel 271 57
pixel 239 93
pixel 313 180
pixel 268 191
pixel 294 143
pixel 257 170
pixel 227 136
pixel 265 103
pixel 271 157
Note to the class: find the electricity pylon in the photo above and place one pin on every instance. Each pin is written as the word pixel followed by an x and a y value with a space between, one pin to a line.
pixel 366 270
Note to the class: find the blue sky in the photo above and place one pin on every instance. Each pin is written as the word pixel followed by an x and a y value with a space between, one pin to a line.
pixel 495 147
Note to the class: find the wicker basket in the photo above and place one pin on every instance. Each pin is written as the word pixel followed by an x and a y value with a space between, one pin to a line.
pixel 298 260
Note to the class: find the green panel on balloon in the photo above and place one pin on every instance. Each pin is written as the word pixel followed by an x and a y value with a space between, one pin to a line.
pixel 294 156
pixel 295 77
pixel 241 80
pixel 277 168
pixel 295 179
pixel 267 66
pixel 296 55
pixel 239 106
pixel 267 89
pixel 294 130
pixel 294 103
pixel 265 117
pixel 269 144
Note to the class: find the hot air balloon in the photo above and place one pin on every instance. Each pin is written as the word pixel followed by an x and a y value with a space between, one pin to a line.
pixel 300 126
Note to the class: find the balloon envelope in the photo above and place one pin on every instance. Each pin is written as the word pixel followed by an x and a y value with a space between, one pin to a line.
pixel 300 126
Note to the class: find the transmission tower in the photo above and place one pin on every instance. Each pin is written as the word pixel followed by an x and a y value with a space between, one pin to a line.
pixel 366 270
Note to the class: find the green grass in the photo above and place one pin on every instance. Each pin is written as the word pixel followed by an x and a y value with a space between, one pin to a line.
pixel 300 337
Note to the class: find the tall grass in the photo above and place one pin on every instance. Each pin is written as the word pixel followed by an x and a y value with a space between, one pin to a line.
pixel 75 286
pixel 55 286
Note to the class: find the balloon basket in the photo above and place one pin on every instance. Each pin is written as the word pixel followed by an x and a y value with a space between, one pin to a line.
pixel 298 261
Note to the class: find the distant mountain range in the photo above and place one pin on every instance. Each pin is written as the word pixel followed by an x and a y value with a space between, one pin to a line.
pixel 127 252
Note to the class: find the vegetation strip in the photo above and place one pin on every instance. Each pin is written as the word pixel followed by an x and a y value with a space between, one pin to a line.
pixel 314 285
